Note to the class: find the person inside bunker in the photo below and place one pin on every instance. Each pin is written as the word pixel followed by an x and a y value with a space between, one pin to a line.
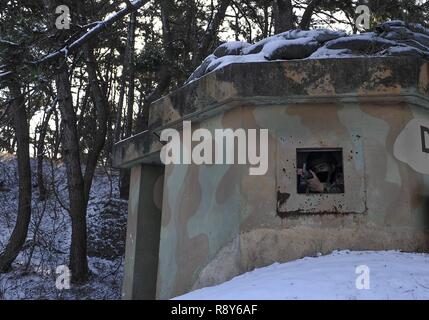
pixel 321 173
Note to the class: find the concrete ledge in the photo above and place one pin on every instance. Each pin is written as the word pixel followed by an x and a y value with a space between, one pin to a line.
pixel 297 79
pixel 141 148
pixel 321 81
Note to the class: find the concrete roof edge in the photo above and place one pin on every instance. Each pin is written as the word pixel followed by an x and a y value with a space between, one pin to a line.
pixel 289 79
pixel 387 79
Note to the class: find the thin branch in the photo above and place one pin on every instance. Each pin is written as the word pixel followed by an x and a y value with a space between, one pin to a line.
pixel 308 13
pixel 94 31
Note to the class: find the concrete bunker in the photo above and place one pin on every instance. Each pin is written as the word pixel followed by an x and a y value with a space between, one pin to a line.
pixel 191 226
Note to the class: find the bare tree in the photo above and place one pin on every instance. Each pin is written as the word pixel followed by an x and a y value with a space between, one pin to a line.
pixel 206 43
pixel 21 125
pixel 71 155
pixel 308 13
pixel 128 76
pixel 40 151
pixel 283 15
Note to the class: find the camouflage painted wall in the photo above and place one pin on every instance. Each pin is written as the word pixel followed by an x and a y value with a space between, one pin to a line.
pixel 218 222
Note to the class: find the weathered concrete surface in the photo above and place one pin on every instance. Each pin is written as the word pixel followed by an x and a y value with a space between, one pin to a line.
pixel 217 221
pixel 141 148
pixel 297 81
pixel 143 227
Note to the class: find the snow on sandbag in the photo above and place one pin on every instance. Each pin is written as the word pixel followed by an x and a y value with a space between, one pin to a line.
pixel 290 49
pixel 391 38
pixel 362 43
pixel 415 28
pixel 418 28
pixel 415 44
pixel 325 53
pixel 233 48
pixel 214 64
pixel 226 60
pixel 319 35
pixel 405 51
pixel 396 33
pixel 405 33
pixel 202 69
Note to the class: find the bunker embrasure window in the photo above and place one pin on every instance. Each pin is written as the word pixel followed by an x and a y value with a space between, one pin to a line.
pixel 320 170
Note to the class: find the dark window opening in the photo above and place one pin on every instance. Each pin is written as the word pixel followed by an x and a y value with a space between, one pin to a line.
pixel 320 171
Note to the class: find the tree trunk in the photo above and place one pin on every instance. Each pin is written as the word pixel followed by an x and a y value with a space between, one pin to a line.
pixel 131 75
pixel 210 35
pixel 19 233
pixel 40 150
pixel 283 16
pixel 70 145
pixel 165 72
pixel 266 30
pixel 308 13
pixel 102 111
pixel 123 185
pixel 124 175
pixel 117 132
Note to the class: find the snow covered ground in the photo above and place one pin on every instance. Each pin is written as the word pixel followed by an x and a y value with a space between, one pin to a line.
pixel 391 275
pixel 48 242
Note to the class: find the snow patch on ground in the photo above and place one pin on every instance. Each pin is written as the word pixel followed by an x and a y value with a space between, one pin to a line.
pixel 392 275
pixel 48 242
